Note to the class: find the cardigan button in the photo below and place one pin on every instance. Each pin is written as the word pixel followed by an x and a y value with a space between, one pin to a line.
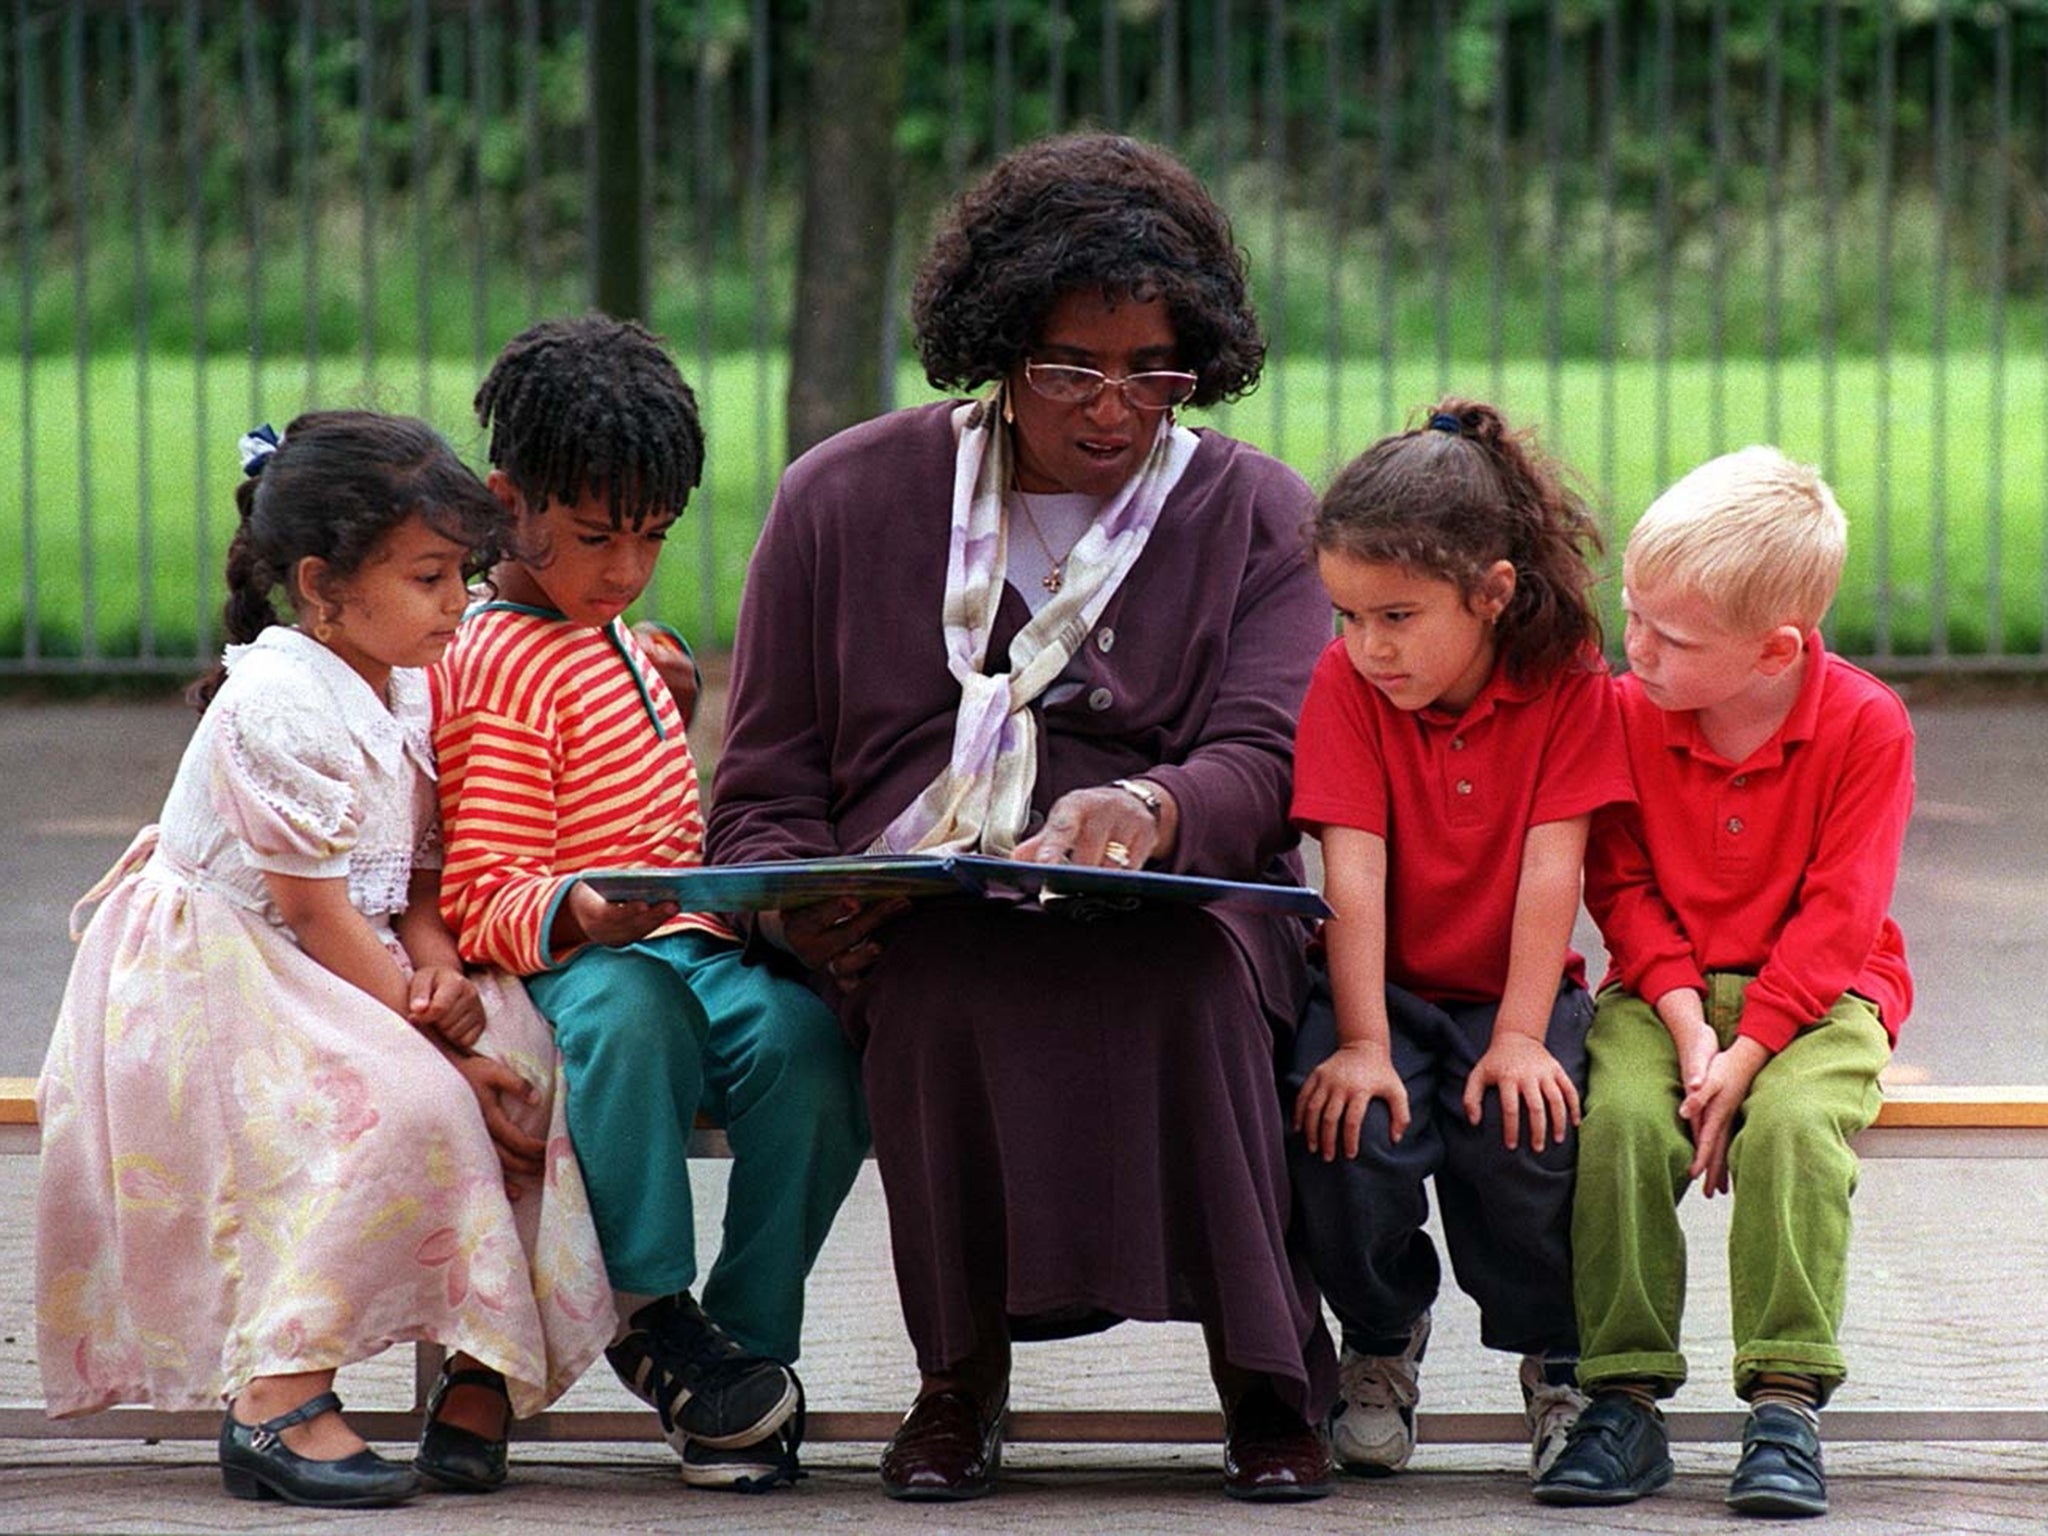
pixel 1105 637
pixel 1101 699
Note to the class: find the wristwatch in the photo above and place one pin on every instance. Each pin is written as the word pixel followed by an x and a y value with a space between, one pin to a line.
pixel 1142 792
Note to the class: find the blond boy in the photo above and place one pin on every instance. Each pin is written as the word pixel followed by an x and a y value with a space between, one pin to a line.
pixel 1757 981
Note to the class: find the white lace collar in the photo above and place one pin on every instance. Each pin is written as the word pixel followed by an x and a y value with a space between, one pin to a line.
pixel 403 728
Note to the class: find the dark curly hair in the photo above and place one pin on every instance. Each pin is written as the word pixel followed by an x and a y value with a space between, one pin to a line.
pixel 338 483
pixel 1082 211
pixel 593 406
pixel 1450 498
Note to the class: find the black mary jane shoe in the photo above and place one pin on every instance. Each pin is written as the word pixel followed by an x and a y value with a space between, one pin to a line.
pixel 461 1458
pixel 255 1463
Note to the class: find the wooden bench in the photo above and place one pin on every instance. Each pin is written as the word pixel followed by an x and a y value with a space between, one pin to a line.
pixel 1922 1122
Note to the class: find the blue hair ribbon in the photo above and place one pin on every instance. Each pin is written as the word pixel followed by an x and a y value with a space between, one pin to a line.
pixel 256 446
pixel 1442 421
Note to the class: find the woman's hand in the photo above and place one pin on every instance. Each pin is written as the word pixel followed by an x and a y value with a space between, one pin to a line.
pixel 1330 1109
pixel 837 937
pixel 1103 825
pixel 520 1153
pixel 585 917
pixel 1530 1078
pixel 443 999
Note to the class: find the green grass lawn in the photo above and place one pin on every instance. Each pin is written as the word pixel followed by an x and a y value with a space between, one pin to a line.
pixel 125 497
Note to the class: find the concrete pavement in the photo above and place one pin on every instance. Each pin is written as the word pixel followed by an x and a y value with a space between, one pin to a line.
pixel 1946 1304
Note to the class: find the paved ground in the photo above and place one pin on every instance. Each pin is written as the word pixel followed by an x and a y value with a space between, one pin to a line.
pixel 1947 1304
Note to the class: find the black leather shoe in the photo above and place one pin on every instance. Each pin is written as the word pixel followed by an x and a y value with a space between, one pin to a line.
pixel 1271 1455
pixel 256 1464
pixel 461 1458
pixel 1779 1473
pixel 947 1448
pixel 1615 1454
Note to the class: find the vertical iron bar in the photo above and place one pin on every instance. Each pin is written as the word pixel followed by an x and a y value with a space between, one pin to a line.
pixel 1005 81
pixel 416 86
pixel 81 315
pixel 1830 250
pixel 483 107
pixel 366 104
pixel 28 138
pixel 956 92
pixel 1220 105
pixel 1440 187
pixel 1169 72
pixel 1553 277
pixel 1387 144
pixel 1717 194
pixel 2001 195
pixel 1276 161
pixel 1887 64
pixel 1112 68
pixel 145 141
pixel 1056 66
pixel 258 138
pixel 1610 113
pixel 529 194
pixel 203 491
pixel 1496 208
pixel 1774 233
pixel 758 81
pixel 706 216
pixel 303 162
pixel 1333 97
pixel 1937 490
pixel 1665 297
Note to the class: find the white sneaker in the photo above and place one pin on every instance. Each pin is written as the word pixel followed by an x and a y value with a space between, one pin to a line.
pixel 1550 1411
pixel 1372 1428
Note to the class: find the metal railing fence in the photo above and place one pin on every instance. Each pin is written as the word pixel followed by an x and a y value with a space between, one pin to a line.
pixel 1650 229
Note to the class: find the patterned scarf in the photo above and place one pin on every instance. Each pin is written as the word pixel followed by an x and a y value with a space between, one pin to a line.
pixel 982 800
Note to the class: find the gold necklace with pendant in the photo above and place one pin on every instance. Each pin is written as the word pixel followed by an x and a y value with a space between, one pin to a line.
pixel 1055 578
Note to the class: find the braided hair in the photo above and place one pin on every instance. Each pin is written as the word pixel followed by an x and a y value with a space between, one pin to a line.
pixel 593 406
pixel 337 485
pixel 1453 496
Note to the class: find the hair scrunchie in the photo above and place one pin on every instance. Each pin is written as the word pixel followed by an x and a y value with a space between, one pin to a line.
pixel 1443 421
pixel 257 446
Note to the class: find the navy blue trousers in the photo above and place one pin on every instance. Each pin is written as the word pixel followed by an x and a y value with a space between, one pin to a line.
pixel 1506 1214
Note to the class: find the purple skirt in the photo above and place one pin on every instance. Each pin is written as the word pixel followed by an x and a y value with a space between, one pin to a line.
pixel 1079 1123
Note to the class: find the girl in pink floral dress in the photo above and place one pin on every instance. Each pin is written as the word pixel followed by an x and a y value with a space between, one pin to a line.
pixel 282 1128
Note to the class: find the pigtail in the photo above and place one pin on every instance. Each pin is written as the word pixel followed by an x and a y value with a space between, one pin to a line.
pixel 248 610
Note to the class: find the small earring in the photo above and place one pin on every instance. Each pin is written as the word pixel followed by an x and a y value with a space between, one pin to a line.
pixel 1009 411
pixel 323 631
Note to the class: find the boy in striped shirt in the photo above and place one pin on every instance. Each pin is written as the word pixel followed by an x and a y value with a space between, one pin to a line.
pixel 562 749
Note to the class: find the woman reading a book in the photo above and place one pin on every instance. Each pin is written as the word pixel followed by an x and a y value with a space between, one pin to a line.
pixel 1052 623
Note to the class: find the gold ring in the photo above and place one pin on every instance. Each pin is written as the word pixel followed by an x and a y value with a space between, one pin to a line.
pixel 1117 853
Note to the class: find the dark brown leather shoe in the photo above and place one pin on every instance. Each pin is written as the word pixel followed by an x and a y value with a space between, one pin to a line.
pixel 1269 1455
pixel 947 1448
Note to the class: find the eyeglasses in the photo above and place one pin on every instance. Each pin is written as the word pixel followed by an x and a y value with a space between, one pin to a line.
pixel 1157 391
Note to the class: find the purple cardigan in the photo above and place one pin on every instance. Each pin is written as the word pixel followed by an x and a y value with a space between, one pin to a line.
pixel 841 709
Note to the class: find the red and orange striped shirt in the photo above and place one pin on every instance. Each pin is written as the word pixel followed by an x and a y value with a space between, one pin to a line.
pixel 561 750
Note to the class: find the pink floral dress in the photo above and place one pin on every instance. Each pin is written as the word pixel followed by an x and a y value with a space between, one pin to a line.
pixel 251 1167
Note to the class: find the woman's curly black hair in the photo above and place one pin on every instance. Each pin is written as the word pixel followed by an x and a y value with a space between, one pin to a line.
pixel 1084 211
pixel 593 406
pixel 1448 499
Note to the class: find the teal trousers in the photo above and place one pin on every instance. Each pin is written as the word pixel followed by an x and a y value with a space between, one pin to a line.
pixel 655 1031
pixel 1791 1174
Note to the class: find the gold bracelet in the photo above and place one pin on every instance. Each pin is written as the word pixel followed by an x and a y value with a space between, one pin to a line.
pixel 1145 794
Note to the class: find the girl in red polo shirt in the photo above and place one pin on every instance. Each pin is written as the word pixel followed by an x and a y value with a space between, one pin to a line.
pixel 1454 744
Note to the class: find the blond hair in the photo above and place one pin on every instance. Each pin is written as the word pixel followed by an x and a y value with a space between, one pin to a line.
pixel 1759 537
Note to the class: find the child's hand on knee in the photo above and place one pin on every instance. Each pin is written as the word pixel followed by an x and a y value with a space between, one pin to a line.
pixel 445 1001
pixel 1330 1110
pixel 1710 1110
pixel 1531 1081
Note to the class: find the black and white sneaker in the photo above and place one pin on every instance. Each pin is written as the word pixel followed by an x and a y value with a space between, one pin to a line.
pixel 752 1468
pixel 708 1391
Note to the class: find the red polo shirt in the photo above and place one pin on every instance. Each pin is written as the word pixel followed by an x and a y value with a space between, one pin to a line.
pixel 1781 866
pixel 1455 795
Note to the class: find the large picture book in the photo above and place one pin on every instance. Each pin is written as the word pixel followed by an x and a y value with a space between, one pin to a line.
pixel 1083 890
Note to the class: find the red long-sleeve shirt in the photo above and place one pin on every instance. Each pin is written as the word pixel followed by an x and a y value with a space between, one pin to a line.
pixel 1781 866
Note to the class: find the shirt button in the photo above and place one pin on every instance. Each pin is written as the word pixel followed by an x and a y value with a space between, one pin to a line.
pixel 1457 743
pixel 1735 824
pixel 1739 780
pixel 1105 637
pixel 1101 699
pixel 1464 786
